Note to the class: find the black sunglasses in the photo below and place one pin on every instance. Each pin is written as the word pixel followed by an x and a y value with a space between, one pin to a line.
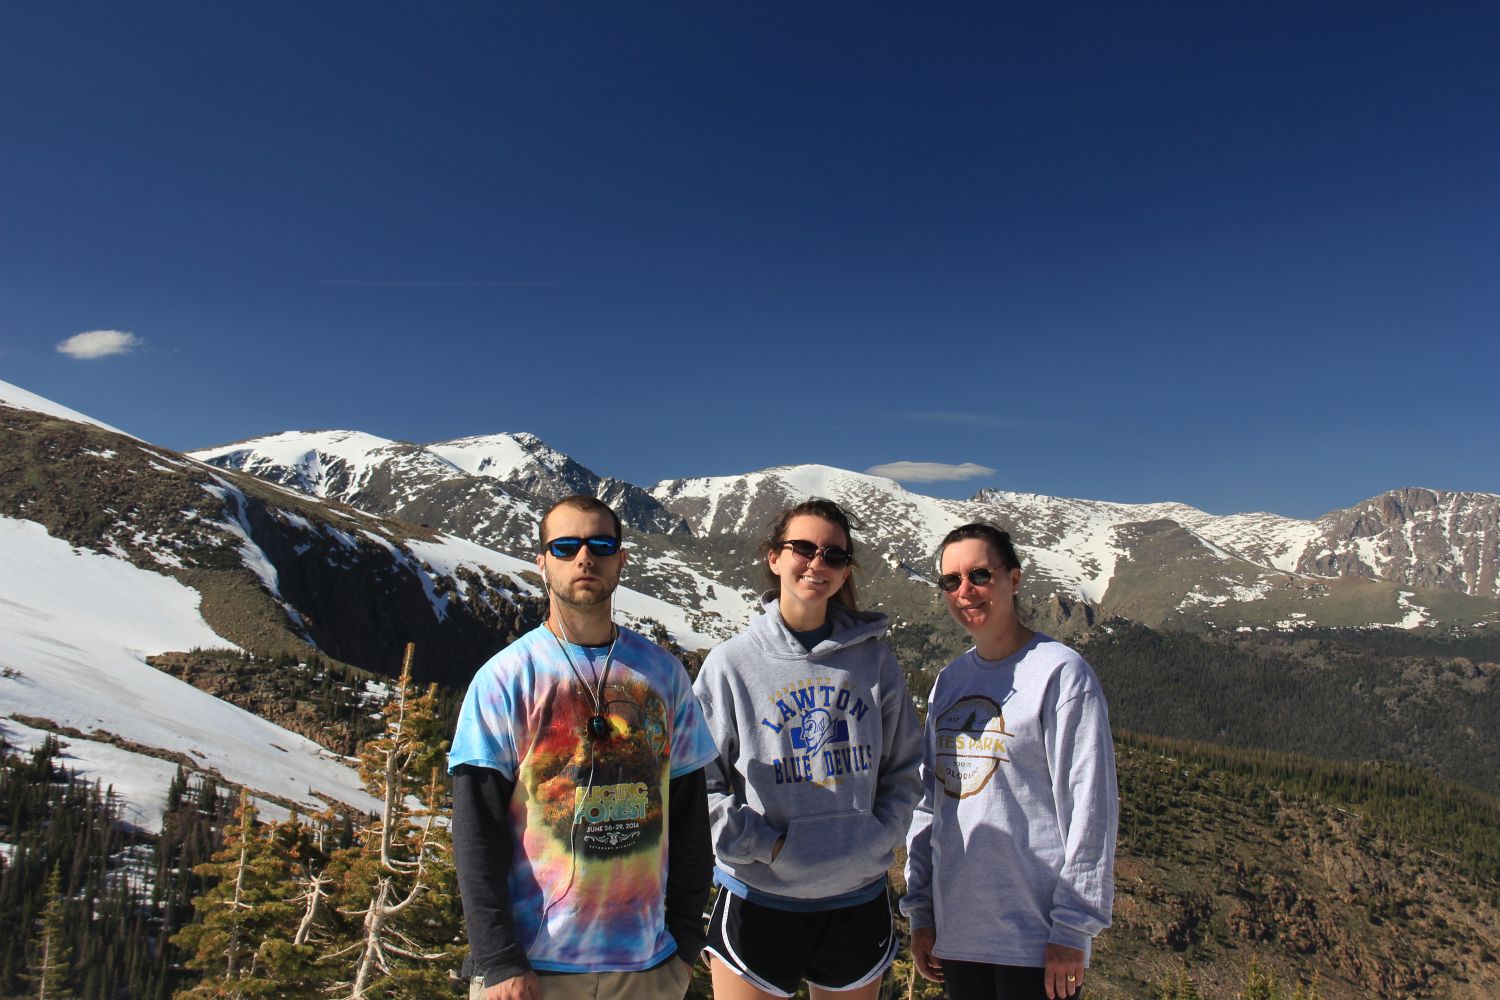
pixel 599 546
pixel 979 577
pixel 833 556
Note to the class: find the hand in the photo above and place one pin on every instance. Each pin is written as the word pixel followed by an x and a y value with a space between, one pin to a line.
pixel 526 986
pixel 923 939
pixel 1062 971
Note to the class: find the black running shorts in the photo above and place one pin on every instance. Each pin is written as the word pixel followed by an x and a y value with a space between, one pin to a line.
pixel 775 950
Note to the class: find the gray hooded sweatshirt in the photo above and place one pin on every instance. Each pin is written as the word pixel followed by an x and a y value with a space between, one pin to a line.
pixel 822 747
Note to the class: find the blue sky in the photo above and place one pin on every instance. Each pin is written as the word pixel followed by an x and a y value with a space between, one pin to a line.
pixel 1238 255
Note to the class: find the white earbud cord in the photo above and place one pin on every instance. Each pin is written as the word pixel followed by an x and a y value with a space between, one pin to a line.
pixel 597 697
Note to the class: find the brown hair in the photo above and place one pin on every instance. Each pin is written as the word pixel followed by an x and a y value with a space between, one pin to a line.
pixel 999 542
pixel 998 539
pixel 578 501
pixel 846 597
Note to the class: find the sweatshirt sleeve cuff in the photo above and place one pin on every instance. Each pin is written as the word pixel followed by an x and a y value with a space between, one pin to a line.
pixel 1069 937
pixel 918 916
pixel 499 973
pixel 762 841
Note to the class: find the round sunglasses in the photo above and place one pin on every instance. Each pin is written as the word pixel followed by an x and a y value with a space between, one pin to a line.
pixel 833 556
pixel 599 546
pixel 980 576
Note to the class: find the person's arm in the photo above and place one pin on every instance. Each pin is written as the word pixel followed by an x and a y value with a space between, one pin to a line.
pixel 739 833
pixel 917 903
pixel 1081 755
pixel 690 862
pixel 482 851
pixel 899 785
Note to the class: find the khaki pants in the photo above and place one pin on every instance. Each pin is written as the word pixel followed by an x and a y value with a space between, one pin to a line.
pixel 668 981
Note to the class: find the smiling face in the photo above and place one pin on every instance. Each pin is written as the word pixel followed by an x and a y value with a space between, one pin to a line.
pixel 586 580
pixel 986 612
pixel 808 584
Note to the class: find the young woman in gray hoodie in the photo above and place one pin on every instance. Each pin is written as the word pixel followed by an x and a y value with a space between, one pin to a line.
pixel 817 776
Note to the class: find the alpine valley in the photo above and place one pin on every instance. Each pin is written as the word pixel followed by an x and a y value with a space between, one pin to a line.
pixel 162 610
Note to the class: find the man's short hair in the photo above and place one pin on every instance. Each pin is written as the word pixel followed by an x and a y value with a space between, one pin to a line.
pixel 583 502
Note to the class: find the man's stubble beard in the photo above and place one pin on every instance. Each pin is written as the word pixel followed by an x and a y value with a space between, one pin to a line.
pixel 591 600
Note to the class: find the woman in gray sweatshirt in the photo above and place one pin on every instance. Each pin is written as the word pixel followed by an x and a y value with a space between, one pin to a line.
pixel 817 776
pixel 1010 859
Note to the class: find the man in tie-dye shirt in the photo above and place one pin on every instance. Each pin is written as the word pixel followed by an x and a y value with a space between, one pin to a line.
pixel 580 818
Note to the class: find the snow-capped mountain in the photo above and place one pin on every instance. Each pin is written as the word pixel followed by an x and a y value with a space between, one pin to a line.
pixel 1160 563
pixel 489 489
pixel 525 461
pixel 112 549
pixel 1163 562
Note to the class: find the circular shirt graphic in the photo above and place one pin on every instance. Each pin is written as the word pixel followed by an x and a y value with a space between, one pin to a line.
pixel 970 744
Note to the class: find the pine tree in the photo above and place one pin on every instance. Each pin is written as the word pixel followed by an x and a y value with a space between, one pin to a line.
pixel 1260 984
pixel 51 954
pixel 1307 992
pixel 399 882
pixel 251 902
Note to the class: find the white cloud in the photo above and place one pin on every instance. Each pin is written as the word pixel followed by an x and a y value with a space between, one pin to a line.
pixel 99 344
pixel 929 472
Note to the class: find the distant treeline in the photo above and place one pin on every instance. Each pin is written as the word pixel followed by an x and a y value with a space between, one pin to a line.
pixel 1454 823
pixel 1357 696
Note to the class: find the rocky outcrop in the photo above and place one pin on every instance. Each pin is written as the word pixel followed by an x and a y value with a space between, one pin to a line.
pixel 1433 539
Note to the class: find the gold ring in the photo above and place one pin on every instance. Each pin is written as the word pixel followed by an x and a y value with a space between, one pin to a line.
pixel 1072 978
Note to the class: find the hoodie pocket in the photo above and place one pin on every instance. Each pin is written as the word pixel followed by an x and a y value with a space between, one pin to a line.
pixel 831 853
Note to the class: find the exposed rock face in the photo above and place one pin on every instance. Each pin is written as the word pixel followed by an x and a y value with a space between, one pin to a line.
pixel 1434 539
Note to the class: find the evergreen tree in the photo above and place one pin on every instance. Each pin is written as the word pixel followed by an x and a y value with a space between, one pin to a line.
pixel 251 902
pixel 399 881
pixel 248 939
pixel 52 956
pixel 1260 984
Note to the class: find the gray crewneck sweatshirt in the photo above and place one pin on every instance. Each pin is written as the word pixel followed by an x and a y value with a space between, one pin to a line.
pixel 821 746
pixel 1013 843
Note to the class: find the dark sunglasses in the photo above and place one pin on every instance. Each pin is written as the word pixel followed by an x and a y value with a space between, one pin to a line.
pixel 979 577
pixel 833 556
pixel 599 546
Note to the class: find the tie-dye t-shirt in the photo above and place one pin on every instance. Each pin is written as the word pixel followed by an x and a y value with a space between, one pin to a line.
pixel 588 817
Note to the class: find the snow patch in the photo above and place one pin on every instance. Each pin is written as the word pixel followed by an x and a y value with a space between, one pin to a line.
pixel 17 398
pixel 75 629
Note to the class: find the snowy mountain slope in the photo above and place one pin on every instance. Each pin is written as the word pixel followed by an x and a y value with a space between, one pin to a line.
pixel 1435 539
pixel 902 527
pixel 1214 565
pixel 353 585
pixel 387 478
pixel 489 489
pixel 75 628
pixel 1086 556
pixel 526 461
pixel 335 465
pixel 17 398
pixel 690 627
